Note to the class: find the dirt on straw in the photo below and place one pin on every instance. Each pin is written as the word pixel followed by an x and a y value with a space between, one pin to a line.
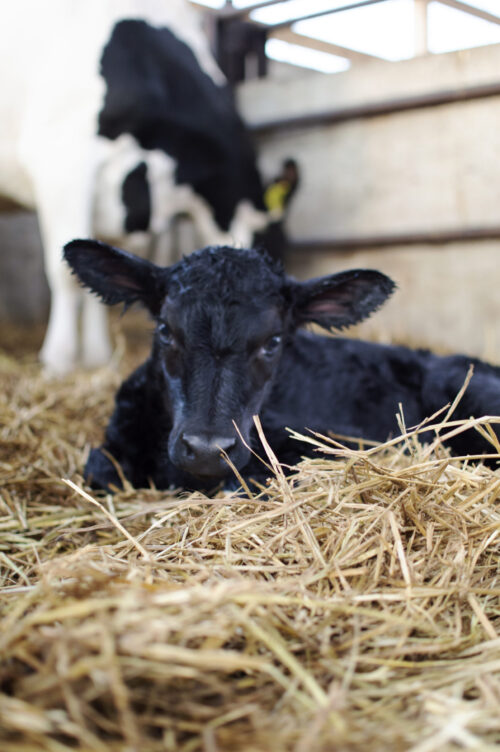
pixel 353 606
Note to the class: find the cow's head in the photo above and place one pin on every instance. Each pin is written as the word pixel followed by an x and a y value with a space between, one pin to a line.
pixel 223 320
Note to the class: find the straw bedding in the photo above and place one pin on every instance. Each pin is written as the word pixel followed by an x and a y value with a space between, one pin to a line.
pixel 353 607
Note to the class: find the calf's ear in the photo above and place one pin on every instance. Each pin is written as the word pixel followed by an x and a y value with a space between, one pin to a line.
pixel 115 275
pixel 340 300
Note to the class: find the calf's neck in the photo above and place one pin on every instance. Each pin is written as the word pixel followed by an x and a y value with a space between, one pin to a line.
pixel 229 344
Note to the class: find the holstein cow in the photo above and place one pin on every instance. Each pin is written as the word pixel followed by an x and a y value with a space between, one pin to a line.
pixel 114 118
pixel 228 345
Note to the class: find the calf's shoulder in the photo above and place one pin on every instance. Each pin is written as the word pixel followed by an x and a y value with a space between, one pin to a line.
pixel 335 383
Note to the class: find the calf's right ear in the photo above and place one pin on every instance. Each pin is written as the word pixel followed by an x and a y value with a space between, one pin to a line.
pixel 115 275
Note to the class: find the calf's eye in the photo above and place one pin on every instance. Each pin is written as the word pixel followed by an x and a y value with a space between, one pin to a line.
pixel 166 336
pixel 271 346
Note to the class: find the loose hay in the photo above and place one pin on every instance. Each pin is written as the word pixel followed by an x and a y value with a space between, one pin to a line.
pixel 353 607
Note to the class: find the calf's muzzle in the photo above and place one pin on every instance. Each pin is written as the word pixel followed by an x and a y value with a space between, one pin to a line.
pixel 202 455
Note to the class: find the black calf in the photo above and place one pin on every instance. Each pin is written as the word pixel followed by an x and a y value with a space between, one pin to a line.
pixel 228 346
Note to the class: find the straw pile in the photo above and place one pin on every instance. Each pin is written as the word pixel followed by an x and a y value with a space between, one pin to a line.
pixel 353 607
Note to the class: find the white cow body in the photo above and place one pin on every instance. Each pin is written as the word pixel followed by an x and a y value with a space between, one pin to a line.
pixel 52 160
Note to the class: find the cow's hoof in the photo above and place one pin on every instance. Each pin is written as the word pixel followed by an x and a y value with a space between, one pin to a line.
pixel 96 349
pixel 57 363
pixel 96 358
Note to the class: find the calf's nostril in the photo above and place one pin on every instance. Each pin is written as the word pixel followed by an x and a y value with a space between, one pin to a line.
pixel 188 448
pixel 225 444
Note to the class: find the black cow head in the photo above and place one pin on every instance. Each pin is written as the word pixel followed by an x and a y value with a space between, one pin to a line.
pixel 223 320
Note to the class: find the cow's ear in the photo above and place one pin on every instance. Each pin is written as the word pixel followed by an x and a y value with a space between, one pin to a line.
pixel 340 300
pixel 115 275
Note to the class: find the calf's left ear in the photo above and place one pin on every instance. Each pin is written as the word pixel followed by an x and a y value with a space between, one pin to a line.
pixel 340 300
pixel 115 275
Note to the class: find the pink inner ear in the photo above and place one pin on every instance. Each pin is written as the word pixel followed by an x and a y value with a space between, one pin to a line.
pixel 325 306
pixel 123 281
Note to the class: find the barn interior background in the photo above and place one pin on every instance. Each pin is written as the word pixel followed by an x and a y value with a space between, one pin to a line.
pixel 398 152
pixel 399 162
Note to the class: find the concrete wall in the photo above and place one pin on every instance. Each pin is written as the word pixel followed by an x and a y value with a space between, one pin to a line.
pixel 447 298
pixel 24 294
pixel 429 169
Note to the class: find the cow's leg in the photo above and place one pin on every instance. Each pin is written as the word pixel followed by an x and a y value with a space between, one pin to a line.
pixel 64 195
pixel 96 345
pixel 162 250
pixel 60 347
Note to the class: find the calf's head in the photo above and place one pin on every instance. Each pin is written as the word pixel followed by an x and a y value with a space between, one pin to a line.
pixel 223 320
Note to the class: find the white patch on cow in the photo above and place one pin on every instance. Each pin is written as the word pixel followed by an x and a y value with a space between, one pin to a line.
pixel 122 156
pixel 96 346
pixel 186 201
pixel 247 221
pixel 161 176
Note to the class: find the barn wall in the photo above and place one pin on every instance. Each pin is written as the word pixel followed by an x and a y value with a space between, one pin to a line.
pixel 24 293
pixel 421 170
pixel 447 298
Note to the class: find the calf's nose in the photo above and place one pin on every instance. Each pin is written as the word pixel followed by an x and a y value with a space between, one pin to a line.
pixel 202 456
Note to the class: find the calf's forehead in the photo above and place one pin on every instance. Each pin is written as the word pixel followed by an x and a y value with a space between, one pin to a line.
pixel 223 324
pixel 225 287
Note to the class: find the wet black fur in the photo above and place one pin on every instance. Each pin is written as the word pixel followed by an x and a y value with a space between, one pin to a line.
pixel 136 198
pixel 221 297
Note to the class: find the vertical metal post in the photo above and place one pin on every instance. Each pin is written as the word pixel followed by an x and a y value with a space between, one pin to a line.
pixel 421 27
